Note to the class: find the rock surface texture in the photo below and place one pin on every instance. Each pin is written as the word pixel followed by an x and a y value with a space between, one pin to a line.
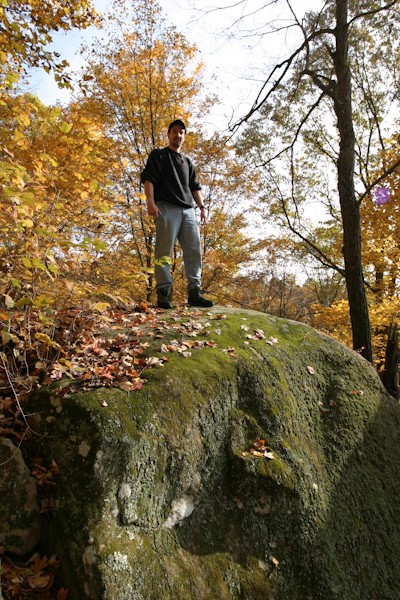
pixel 20 523
pixel 159 495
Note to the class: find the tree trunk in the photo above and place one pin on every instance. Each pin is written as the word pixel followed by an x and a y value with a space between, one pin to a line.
pixel 349 206
pixel 378 287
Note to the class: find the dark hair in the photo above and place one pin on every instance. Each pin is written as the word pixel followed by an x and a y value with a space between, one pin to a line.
pixel 177 122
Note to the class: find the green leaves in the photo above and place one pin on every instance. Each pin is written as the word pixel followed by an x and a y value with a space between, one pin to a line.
pixel 66 127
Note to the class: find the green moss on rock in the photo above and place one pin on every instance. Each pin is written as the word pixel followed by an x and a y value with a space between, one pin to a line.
pixel 317 522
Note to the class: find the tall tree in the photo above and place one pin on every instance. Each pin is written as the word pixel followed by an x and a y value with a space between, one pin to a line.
pixel 315 78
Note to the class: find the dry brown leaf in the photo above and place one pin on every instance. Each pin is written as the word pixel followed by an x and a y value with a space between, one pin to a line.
pixel 256 452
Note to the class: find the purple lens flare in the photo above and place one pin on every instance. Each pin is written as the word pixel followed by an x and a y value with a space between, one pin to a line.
pixel 381 195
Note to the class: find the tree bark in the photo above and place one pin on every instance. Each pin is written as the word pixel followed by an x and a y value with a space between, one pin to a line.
pixel 349 206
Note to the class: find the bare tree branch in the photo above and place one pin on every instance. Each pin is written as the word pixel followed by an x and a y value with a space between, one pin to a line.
pixel 285 65
pixel 370 13
pixel 383 176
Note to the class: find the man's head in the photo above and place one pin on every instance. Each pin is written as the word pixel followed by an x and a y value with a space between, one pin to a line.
pixel 176 135
pixel 177 122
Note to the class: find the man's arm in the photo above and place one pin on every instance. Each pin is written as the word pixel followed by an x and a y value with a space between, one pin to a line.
pixel 152 209
pixel 198 198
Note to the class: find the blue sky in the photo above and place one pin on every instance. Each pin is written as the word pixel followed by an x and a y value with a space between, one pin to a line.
pixel 231 65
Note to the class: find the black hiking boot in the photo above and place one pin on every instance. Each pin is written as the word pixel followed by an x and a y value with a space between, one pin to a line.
pixel 164 297
pixel 196 298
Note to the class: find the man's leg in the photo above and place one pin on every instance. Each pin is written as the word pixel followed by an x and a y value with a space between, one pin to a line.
pixel 167 228
pixel 189 239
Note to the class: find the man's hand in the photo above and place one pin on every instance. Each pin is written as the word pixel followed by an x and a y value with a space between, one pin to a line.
pixel 198 198
pixel 203 215
pixel 152 208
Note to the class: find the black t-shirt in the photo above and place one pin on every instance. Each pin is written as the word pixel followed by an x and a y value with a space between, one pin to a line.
pixel 173 177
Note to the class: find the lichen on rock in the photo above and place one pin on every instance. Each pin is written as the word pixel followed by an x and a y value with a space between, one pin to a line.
pixel 159 495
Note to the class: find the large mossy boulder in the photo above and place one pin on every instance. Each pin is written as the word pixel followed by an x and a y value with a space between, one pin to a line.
pixel 159 495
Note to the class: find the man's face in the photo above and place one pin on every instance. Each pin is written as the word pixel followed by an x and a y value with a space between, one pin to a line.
pixel 176 137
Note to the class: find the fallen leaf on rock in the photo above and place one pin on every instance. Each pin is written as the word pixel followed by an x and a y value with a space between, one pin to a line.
pixel 238 502
pixel 38 581
pixel 229 349
pixel 53 467
pixel 153 361
pixel 256 452
pixel 258 443
pixel 127 386
pixel 189 343
pixel 211 343
pixel 139 384
pixel 263 511
pixel 37 563
pixel 261 450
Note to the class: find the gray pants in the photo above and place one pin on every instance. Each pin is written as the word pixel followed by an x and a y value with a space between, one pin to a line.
pixel 179 223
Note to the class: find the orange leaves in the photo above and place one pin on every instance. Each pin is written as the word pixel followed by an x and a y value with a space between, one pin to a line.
pixel 43 475
pixel 43 207
pixel 260 450
pixel 21 44
pixel 33 580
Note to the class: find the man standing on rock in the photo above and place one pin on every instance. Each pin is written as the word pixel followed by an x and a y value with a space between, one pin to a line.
pixel 170 185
